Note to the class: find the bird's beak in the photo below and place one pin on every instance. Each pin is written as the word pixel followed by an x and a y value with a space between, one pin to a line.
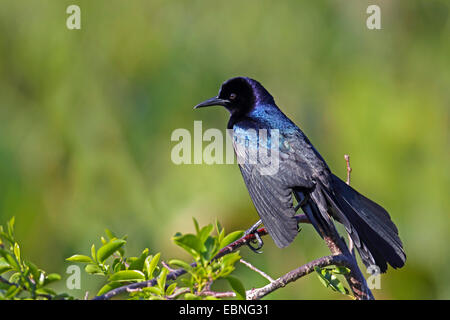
pixel 212 102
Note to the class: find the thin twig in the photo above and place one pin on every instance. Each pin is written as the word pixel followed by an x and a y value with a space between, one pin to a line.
pixel 227 294
pixel 252 267
pixel 258 293
pixel 349 169
pixel 178 292
pixel 338 260
pixel 165 265
pixel 350 244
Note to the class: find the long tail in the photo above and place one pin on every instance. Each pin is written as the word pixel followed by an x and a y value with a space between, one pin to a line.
pixel 374 234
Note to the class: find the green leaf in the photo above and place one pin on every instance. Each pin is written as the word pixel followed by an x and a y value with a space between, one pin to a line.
pixel 33 269
pixel 110 234
pixel 237 287
pixel 138 263
pixel 338 286
pixel 93 254
pixel 180 264
pixel 93 269
pixel 162 278
pixel 328 279
pixel 150 264
pixel 15 277
pixel 10 259
pixel 118 265
pixel 6 235
pixel 340 270
pixel 80 258
pixel 197 228
pixel 219 227
pixel 170 289
pixel 321 276
pixel 108 287
pixel 220 232
pixel 3 287
pixel 205 232
pixel 17 251
pixel 231 237
pixel 154 290
pixel 12 292
pixel 10 227
pixel 191 296
pixel 127 275
pixel 108 249
pixel 4 269
pixel 47 291
pixel 212 248
pixel 231 259
pixel 4 266
pixel 52 277
pixel 191 244
pixel 41 278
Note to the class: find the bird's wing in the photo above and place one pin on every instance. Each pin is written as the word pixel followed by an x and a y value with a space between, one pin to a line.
pixel 270 180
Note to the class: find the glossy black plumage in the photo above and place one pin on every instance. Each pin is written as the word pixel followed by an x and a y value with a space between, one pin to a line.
pixel 302 173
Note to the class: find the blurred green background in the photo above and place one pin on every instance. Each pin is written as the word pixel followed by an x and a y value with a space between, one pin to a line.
pixel 87 115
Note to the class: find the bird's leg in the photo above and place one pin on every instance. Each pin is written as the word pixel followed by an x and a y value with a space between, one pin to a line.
pixel 300 203
pixel 254 230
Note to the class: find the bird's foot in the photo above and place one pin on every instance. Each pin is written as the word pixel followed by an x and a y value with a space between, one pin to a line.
pixel 258 241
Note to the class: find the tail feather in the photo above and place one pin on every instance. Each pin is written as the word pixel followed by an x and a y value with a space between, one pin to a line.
pixel 369 225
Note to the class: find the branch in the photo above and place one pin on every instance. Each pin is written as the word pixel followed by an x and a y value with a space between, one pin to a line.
pixel 337 260
pixel 179 272
pixel 227 294
pixel 349 169
pixel 337 246
pixel 255 294
pixel 341 256
pixel 3 280
pixel 252 267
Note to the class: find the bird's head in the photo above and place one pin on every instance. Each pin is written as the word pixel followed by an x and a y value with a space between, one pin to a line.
pixel 239 96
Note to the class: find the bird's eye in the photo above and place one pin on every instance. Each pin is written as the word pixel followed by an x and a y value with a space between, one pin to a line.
pixel 233 96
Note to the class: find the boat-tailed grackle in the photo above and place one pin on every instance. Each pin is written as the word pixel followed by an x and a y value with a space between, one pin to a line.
pixel 302 173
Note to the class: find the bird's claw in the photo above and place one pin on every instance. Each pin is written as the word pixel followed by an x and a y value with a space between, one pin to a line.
pixel 258 241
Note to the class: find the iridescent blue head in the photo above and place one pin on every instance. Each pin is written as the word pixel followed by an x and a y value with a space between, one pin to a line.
pixel 239 96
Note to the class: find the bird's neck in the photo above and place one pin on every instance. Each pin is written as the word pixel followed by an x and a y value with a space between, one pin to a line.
pixel 267 116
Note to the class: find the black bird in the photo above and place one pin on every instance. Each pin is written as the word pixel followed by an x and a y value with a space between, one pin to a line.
pixel 302 172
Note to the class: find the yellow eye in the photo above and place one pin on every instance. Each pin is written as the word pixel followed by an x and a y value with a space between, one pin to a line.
pixel 233 96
